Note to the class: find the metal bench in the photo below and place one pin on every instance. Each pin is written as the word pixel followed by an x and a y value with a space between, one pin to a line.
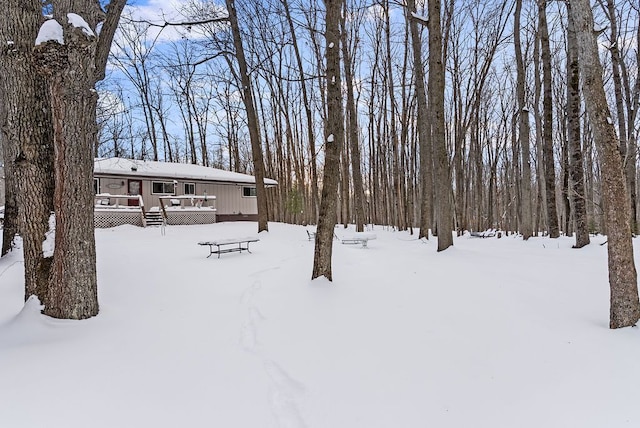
pixel 362 238
pixel 229 245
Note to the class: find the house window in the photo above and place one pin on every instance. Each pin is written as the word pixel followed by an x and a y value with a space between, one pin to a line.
pixel 248 191
pixel 96 186
pixel 189 188
pixel 163 187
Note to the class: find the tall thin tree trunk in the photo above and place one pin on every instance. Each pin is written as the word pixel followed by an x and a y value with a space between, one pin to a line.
pixel 334 135
pixel 547 127
pixel 627 149
pixel 353 137
pixel 526 227
pixel 576 170
pixel 625 306
pixel 443 188
pixel 426 157
pixel 252 118
pixel 309 117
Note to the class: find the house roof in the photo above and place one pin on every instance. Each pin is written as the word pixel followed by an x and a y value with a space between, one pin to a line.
pixel 139 168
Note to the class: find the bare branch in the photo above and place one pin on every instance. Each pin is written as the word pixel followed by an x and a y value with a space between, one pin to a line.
pixel 107 33
pixel 183 23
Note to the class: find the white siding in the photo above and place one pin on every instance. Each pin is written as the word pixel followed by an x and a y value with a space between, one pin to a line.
pixel 229 197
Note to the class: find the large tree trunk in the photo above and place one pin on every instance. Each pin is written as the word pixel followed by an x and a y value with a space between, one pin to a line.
pixel 547 127
pixel 252 118
pixel 334 135
pixel 576 170
pixel 526 227
pixel 28 144
pixel 625 306
pixel 443 191
pixel 72 70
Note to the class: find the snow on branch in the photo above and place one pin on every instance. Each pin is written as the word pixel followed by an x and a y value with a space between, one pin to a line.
pixel 50 30
pixel 78 22
pixel 420 18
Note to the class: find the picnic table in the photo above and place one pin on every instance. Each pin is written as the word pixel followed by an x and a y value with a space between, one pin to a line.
pixel 359 238
pixel 229 245
pixel 489 233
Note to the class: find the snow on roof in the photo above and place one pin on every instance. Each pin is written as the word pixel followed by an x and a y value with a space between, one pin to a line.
pixel 128 167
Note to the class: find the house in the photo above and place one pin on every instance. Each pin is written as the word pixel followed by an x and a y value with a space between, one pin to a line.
pixel 147 192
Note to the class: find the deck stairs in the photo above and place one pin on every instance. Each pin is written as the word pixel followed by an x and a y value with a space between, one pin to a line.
pixel 153 218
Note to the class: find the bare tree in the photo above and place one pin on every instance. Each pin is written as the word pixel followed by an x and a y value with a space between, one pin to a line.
pixel 576 170
pixel 547 123
pixel 424 136
pixel 252 118
pixel 625 306
pixel 352 116
pixel 526 227
pixel 443 188
pixel 134 58
pixel 334 135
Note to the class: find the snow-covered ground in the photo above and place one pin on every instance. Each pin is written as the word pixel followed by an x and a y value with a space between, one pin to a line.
pixel 493 332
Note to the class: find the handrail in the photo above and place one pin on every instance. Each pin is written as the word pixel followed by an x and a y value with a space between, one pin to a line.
pixel 143 217
pixel 164 212
pixel 109 196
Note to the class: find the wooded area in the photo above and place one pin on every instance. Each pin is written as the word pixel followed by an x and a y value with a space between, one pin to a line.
pixel 506 115
pixel 475 120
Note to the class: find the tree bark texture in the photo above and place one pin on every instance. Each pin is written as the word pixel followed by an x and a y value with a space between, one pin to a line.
pixel 10 222
pixel 426 157
pixel 443 190
pixel 576 169
pixel 26 132
pixel 627 148
pixel 526 227
pixel 625 306
pixel 547 126
pixel 334 135
pixel 70 68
